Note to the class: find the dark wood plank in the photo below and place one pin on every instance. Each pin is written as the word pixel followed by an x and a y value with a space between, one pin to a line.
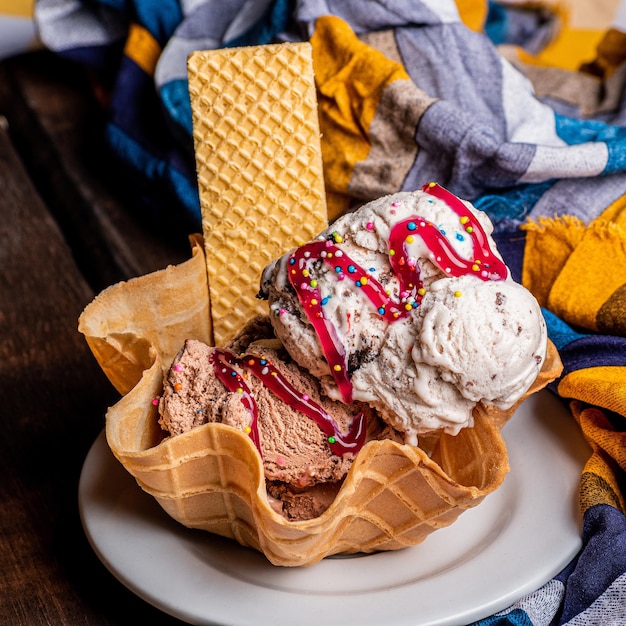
pixel 57 127
pixel 54 397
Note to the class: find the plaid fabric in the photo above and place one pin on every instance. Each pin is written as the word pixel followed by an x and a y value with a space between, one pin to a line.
pixel 483 98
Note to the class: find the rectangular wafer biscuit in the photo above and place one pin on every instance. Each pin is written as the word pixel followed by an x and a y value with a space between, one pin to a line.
pixel 259 167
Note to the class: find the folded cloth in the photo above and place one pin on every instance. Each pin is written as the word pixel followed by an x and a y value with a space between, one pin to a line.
pixel 497 102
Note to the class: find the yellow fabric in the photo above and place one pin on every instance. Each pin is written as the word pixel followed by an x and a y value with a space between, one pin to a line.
pixel 600 386
pixel 582 26
pixel 473 13
pixel 549 244
pixel 610 56
pixel 570 49
pixel 350 77
pixel 19 8
pixel 572 269
pixel 599 484
pixel 575 270
pixel 615 212
pixel 142 48
pixel 593 272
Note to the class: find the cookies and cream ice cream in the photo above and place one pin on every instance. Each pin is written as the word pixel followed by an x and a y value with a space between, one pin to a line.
pixel 406 305
pixel 212 476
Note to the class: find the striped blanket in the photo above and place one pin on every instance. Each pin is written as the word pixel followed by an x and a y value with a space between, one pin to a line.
pixel 518 107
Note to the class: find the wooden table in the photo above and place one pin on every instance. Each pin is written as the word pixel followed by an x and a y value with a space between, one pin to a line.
pixel 69 226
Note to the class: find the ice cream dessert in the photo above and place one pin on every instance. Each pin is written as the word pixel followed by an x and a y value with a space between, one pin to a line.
pixel 211 476
pixel 307 441
pixel 218 477
pixel 401 309
pixel 406 305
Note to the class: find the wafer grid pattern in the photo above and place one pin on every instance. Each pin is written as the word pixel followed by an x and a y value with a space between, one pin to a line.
pixel 259 168
pixel 399 496
pixel 394 496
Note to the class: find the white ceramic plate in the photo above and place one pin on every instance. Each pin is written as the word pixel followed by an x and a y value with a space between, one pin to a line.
pixel 514 542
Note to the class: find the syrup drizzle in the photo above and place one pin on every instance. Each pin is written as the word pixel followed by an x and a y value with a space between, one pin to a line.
pixel 224 363
pixel 485 265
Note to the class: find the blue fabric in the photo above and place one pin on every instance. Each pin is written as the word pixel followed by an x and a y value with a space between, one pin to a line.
pixel 516 203
pixel 561 333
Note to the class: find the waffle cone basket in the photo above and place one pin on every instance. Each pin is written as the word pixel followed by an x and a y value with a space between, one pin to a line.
pixel 212 478
pixel 259 196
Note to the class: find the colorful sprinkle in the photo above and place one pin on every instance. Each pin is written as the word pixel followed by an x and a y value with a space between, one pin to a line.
pixel 223 361
pixel 440 251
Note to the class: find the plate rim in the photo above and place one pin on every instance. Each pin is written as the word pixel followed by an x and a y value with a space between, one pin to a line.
pixel 574 452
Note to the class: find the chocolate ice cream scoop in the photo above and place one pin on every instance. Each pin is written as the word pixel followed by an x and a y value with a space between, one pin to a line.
pixel 253 385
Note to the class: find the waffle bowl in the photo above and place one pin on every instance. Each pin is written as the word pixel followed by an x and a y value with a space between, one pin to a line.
pixel 211 477
pixel 261 190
